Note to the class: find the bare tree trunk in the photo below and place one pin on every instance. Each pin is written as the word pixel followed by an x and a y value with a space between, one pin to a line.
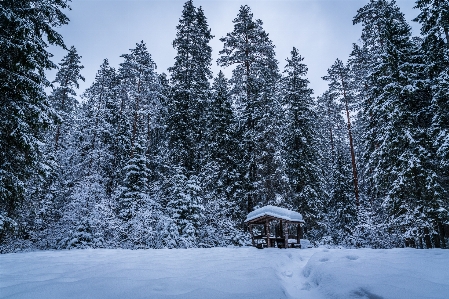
pixel 351 145
pixel 252 167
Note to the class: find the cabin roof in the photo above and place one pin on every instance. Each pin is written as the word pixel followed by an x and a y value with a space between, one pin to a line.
pixel 270 212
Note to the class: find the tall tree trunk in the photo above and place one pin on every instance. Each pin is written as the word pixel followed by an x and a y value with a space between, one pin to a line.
pixel 351 145
pixel 252 168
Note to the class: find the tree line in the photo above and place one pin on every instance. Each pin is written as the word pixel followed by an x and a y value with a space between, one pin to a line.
pixel 177 160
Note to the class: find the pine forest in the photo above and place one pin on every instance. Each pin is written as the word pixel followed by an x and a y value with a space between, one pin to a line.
pixel 148 159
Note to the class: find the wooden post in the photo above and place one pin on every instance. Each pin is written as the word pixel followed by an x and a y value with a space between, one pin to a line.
pixel 298 234
pixel 301 232
pixel 252 234
pixel 267 225
pixel 286 234
pixel 265 229
pixel 281 229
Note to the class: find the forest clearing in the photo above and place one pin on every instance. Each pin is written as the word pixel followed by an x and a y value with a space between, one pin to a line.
pixel 242 273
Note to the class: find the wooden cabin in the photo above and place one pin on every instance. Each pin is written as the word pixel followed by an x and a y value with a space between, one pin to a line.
pixel 272 226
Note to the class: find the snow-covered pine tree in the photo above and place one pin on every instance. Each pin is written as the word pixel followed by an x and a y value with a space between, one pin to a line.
pixel 136 207
pixel 140 91
pixel 219 137
pixel 186 124
pixel 434 19
pixel 140 86
pixel 190 88
pixel 51 194
pixel 220 169
pixel 340 209
pixel 185 207
pixel 339 79
pixel 369 213
pixel 103 146
pixel 396 147
pixel 94 163
pixel 255 91
pixel 157 149
pixel 26 29
pixel 62 98
pixel 300 141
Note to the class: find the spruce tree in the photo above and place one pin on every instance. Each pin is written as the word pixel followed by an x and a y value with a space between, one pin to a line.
pixel 220 168
pixel 103 146
pixel 140 91
pixel 26 29
pixel 140 87
pixel 185 207
pixel 62 98
pixel 94 161
pixel 220 139
pixel 190 88
pixel 300 140
pixel 396 147
pixel 339 79
pixel 51 194
pixel 340 208
pixel 135 202
pixel 255 91
pixel 434 19
pixel 186 124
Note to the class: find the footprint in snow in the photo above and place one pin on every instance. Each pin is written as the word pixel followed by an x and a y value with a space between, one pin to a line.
pixel 307 286
pixel 287 273
pixel 352 257
pixel 324 259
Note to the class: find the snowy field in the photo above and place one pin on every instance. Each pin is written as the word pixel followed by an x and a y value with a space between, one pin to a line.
pixel 226 273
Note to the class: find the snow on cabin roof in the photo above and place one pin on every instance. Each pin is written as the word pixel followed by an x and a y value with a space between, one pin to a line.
pixel 275 212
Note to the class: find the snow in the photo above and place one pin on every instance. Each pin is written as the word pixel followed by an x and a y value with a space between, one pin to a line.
pixel 275 212
pixel 247 272
pixel 390 273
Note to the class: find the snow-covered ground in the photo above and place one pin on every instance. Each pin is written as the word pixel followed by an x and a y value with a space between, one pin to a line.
pixel 226 273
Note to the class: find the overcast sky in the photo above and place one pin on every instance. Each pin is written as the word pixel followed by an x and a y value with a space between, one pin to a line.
pixel 321 30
